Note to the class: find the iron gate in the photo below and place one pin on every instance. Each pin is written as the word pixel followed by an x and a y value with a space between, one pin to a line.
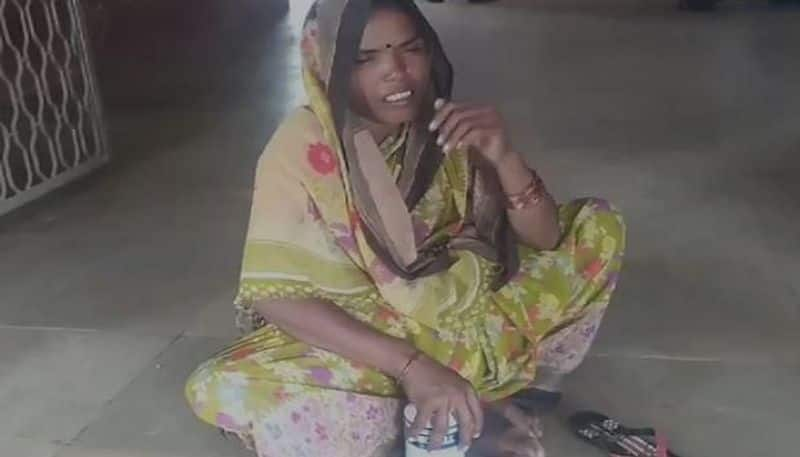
pixel 51 124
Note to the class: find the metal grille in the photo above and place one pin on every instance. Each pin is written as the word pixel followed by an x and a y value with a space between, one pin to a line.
pixel 51 129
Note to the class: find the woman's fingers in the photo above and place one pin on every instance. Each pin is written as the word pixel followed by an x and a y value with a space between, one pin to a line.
pixel 518 443
pixel 474 405
pixel 539 449
pixel 472 138
pixel 460 125
pixel 455 139
pixel 535 449
pixel 457 125
pixel 441 420
pixel 466 425
pixel 538 430
pixel 476 136
pixel 444 110
pixel 454 119
pixel 424 414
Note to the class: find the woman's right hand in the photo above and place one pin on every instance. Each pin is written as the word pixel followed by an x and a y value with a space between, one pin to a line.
pixel 437 392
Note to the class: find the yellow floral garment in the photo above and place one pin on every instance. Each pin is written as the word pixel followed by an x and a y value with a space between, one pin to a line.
pixel 490 338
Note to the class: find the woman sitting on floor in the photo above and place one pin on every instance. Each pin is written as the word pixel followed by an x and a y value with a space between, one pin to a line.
pixel 400 250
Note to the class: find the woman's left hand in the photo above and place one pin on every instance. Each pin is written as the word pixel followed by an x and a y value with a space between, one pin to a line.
pixel 479 126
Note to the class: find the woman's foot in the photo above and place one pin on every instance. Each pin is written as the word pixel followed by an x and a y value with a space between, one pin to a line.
pixel 543 396
pixel 509 432
pixel 535 401
pixel 516 442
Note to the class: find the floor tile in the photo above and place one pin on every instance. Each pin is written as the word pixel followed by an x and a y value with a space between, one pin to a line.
pixel 216 319
pixel 54 382
pixel 151 414
pixel 704 408
pixel 21 447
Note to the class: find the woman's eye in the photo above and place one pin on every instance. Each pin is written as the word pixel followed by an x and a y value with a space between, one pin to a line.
pixel 363 59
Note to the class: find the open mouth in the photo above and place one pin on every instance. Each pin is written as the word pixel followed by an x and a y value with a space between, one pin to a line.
pixel 399 98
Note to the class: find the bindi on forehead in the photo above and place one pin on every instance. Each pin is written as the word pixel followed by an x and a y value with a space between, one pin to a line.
pixel 390 45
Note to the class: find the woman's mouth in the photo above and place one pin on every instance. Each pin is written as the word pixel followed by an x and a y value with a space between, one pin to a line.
pixel 399 98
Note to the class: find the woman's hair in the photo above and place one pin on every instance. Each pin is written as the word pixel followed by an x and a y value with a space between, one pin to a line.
pixel 401 6
pixel 406 7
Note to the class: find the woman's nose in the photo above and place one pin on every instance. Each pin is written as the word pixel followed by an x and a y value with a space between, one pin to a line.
pixel 395 65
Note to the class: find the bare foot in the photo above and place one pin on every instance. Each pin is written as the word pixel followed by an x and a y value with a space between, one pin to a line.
pixel 516 442
pixel 509 432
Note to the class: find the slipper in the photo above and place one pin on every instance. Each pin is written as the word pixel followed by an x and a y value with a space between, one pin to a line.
pixel 619 441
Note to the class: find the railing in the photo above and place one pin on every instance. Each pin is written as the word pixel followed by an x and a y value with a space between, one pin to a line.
pixel 51 123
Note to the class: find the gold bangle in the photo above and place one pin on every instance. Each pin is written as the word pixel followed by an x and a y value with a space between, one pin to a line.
pixel 406 368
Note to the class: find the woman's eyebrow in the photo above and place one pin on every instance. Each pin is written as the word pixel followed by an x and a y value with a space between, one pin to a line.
pixel 399 45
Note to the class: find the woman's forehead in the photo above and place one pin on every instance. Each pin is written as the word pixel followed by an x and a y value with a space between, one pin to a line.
pixel 388 28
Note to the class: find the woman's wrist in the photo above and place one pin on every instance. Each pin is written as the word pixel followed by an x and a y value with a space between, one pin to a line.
pixel 513 172
pixel 408 366
pixel 533 194
pixel 400 358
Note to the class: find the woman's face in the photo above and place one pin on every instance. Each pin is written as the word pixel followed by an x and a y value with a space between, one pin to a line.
pixel 392 71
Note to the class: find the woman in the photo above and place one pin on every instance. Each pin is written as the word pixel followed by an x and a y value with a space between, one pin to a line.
pixel 399 250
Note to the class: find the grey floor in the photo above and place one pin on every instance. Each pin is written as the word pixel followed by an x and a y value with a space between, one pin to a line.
pixel 113 289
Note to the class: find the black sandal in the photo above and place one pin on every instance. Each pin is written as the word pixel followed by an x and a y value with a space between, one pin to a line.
pixel 619 441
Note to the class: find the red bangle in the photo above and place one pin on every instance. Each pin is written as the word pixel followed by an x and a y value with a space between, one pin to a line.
pixel 406 368
pixel 532 195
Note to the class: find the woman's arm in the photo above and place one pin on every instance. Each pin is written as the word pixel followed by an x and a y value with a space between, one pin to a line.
pixel 536 225
pixel 326 326
pixel 436 390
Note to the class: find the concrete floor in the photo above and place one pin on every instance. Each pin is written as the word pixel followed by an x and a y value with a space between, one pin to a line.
pixel 116 287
